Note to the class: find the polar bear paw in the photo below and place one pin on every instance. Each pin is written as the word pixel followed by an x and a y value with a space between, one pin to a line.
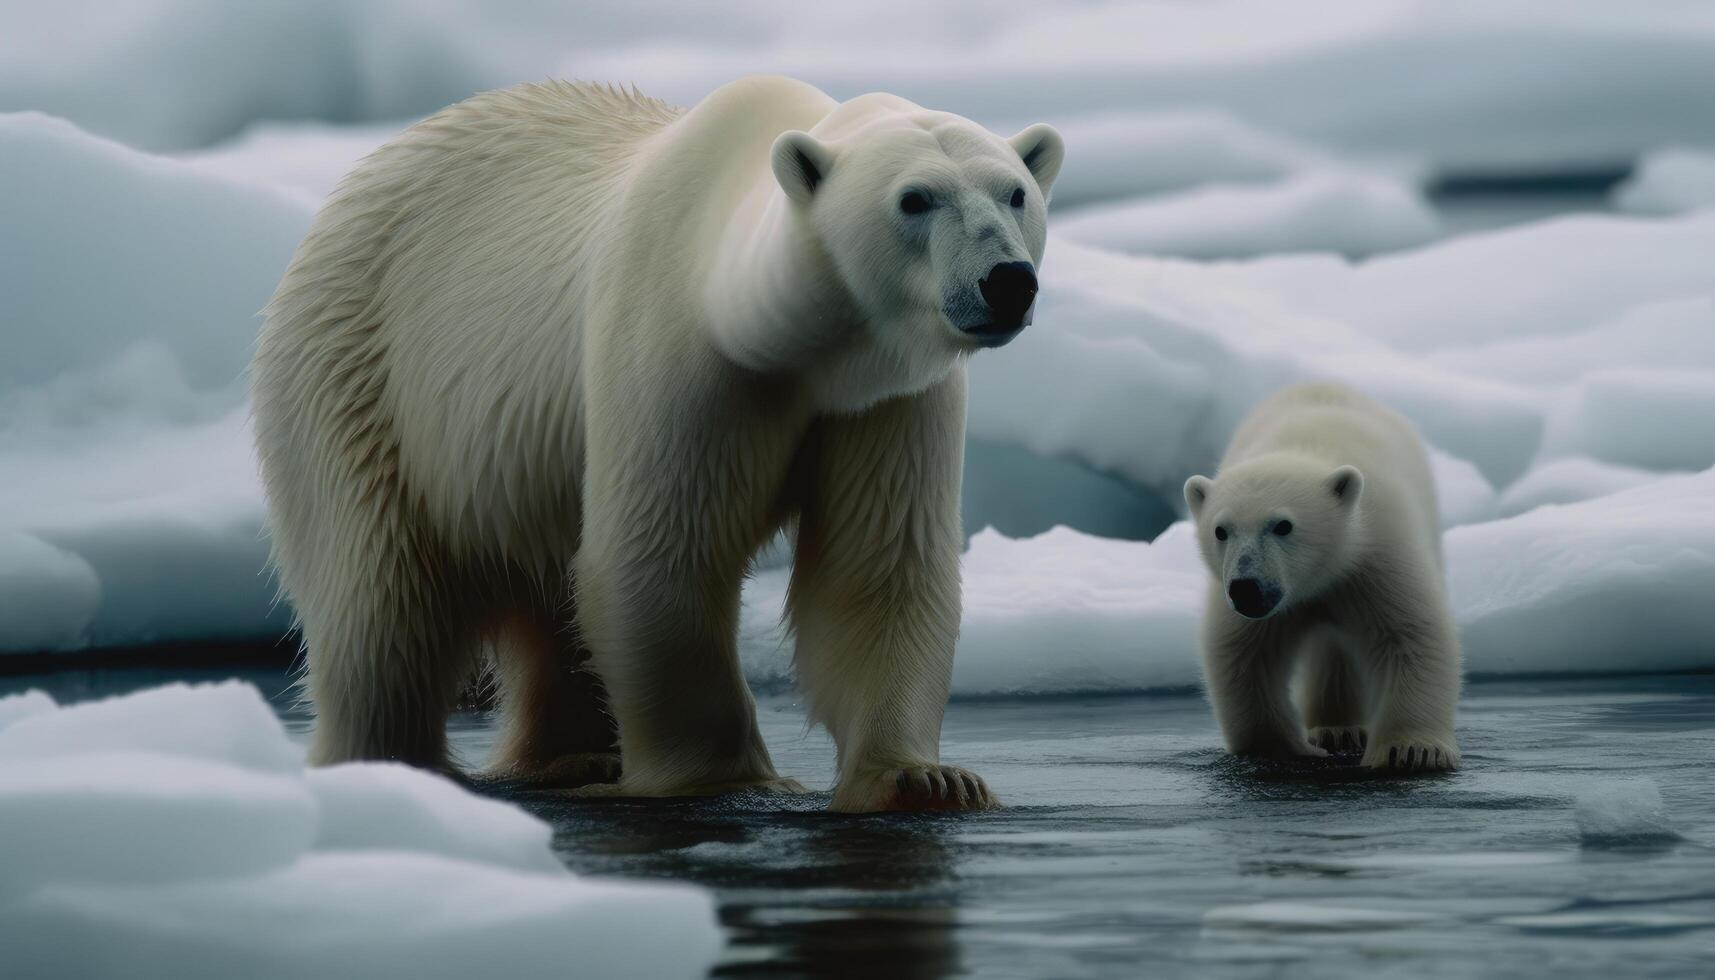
pixel 1412 754
pixel 928 787
pixel 1339 738
pixel 565 772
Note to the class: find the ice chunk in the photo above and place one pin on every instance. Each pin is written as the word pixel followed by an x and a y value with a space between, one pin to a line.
pixel 307 160
pixel 118 816
pixel 129 505
pixel 227 722
pixel 174 833
pixel 1661 420
pixel 366 914
pixel 1325 211
pixel 1120 154
pixel 16 707
pixel 48 596
pixel 1464 495
pixel 1670 181
pixel 1616 583
pixel 1618 812
pixel 1567 481
pixel 394 807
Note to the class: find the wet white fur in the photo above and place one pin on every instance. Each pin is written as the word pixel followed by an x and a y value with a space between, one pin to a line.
pixel 567 334
pixel 1364 616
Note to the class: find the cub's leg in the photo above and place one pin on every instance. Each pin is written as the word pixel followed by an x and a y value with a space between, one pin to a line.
pixel 555 728
pixel 1415 676
pixel 1248 670
pixel 875 598
pixel 1331 697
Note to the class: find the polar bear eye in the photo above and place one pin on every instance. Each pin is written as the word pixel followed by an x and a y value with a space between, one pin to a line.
pixel 1220 534
pixel 1282 528
pixel 914 202
pixel 1018 197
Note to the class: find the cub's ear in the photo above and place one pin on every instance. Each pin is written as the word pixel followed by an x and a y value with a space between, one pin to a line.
pixel 801 163
pixel 1042 150
pixel 1196 494
pixel 1346 484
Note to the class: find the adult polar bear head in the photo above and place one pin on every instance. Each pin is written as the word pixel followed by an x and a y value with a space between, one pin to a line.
pixel 917 233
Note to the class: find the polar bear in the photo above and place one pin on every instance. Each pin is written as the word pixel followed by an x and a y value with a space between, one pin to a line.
pixel 553 364
pixel 1321 532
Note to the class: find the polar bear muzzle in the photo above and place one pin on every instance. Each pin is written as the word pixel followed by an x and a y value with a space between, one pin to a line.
pixel 1009 290
pixel 1253 598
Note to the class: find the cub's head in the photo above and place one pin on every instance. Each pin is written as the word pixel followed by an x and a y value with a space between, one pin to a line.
pixel 1275 532
pixel 933 225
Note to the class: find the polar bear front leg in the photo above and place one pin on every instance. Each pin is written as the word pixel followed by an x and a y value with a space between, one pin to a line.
pixel 1415 675
pixel 1248 670
pixel 875 598
pixel 662 633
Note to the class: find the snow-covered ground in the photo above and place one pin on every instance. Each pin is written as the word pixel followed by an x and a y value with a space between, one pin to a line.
pixel 176 833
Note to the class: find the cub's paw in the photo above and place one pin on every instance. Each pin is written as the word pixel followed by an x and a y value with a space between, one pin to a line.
pixel 566 772
pixel 1339 738
pixel 1412 754
pixel 929 787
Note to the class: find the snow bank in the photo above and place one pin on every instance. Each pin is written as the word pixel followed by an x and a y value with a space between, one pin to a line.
pixel 1567 481
pixel 168 74
pixel 1118 154
pixel 1670 181
pixel 1354 214
pixel 1613 584
pixel 1617 583
pixel 129 507
pixel 175 833
pixel 305 160
pixel 1163 358
pixel 1466 86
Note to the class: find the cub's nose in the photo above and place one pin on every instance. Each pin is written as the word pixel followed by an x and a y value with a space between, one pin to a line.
pixel 1251 599
pixel 1010 292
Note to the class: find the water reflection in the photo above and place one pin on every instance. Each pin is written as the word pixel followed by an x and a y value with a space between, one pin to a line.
pixel 801 889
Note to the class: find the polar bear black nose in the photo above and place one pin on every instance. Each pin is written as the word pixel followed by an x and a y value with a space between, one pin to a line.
pixel 1010 290
pixel 1251 599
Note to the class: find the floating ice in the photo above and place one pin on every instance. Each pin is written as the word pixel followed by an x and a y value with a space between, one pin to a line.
pixel 175 833
pixel 1620 812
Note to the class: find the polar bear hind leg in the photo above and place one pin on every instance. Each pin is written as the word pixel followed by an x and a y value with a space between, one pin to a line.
pixel 555 726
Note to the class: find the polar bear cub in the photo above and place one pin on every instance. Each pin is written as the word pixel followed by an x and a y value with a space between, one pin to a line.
pixel 554 364
pixel 1321 532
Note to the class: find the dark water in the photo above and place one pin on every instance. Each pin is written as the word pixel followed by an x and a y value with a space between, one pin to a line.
pixel 1578 841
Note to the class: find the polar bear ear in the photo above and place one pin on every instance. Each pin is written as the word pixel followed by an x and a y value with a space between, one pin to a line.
pixel 1196 494
pixel 800 163
pixel 1346 484
pixel 1042 150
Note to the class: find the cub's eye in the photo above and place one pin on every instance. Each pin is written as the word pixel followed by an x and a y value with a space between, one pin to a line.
pixel 1018 197
pixel 1220 534
pixel 914 202
pixel 1282 528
